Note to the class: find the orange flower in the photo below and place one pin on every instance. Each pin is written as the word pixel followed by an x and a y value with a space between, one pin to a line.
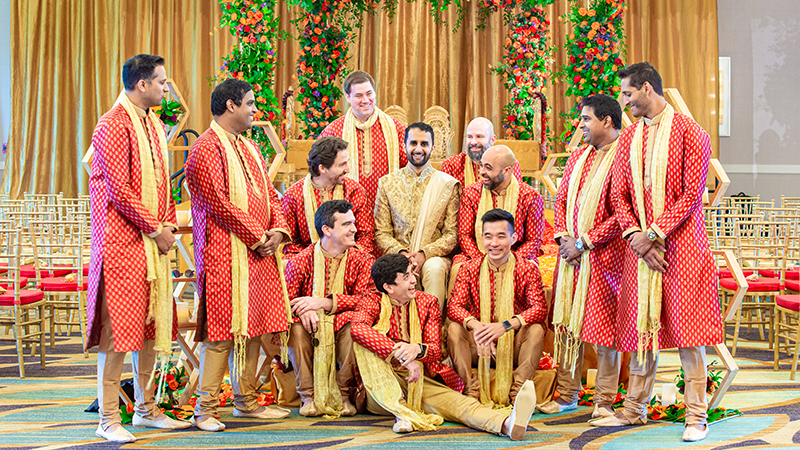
pixel 595 25
pixel 173 385
pixel 592 13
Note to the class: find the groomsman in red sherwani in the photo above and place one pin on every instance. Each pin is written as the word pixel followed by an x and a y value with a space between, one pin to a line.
pixel 132 210
pixel 589 271
pixel 465 166
pixel 238 226
pixel 669 291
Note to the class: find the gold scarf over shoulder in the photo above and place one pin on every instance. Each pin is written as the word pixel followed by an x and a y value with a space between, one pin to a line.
pixel 485 204
pixel 469 171
pixel 497 396
pixel 379 377
pixel 569 306
pixel 327 396
pixel 159 276
pixel 389 136
pixel 240 266
pixel 310 204
pixel 650 282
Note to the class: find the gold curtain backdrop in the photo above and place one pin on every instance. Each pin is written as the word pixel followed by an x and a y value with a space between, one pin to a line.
pixel 67 57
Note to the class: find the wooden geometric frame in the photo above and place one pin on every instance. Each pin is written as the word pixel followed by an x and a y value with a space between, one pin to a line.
pixel 550 172
pixel 275 140
pixel 176 94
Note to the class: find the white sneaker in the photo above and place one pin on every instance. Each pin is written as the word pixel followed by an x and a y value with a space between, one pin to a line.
pixel 262 412
pixel 694 434
pixel 115 433
pixel 602 411
pixel 210 423
pixel 161 421
pixel 524 405
pixel 402 426
pixel 555 407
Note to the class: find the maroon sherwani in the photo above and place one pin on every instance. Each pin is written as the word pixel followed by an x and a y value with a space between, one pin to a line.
pixel 380 159
pixel 606 244
pixel 295 213
pixel 215 218
pixel 528 222
pixel 118 219
pixel 454 166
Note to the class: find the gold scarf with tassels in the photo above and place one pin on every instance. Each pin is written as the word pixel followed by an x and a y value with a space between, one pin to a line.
pixel 240 266
pixel 569 305
pixel 469 171
pixel 379 377
pixel 159 275
pixel 497 397
pixel 650 282
pixel 350 135
pixel 327 396
pixel 486 204
pixel 310 204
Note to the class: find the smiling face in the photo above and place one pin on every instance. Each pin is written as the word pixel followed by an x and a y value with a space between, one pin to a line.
pixel 498 237
pixel 595 131
pixel 637 99
pixel 419 146
pixel 242 115
pixel 492 171
pixel 480 136
pixel 362 100
pixel 344 229
pixel 338 170
pixel 155 90
pixel 404 287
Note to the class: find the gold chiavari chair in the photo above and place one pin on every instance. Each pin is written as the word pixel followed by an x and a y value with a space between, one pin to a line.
pixel 25 307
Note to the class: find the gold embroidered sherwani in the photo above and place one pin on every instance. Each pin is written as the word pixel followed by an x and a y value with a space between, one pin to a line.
pixel 419 213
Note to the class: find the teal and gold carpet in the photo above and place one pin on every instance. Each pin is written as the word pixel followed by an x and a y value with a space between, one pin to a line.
pixel 46 410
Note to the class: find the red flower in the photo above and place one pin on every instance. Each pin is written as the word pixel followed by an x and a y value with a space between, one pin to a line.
pixel 581 44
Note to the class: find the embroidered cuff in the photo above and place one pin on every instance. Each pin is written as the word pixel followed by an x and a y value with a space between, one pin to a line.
pixel 260 242
pixel 629 231
pixel 588 241
pixel 560 234
pixel 658 231
pixel 464 323
pixel 157 232
pixel 333 304
pixel 424 351
pixel 284 231
pixel 521 320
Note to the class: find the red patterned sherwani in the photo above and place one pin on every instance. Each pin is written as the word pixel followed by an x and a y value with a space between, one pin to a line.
pixel 528 222
pixel 529 302
pixel 295 213
pixel 118 220
pixel 358 282
pixel 606 244
pixel 690 314
pixel 430 319
pixel 454 166
pixel 380 160
pixel 215 218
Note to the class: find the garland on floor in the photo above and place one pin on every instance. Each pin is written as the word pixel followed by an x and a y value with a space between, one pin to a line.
pixel 595 52
pixel 252 57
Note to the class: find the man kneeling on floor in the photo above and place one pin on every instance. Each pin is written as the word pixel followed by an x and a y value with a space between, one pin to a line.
pixel 404 327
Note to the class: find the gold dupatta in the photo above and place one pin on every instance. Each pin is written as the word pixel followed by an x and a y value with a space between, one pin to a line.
pixel 327 396
pixel 485 204
pixel 159 275
pixel 310 204
pixel 569 305
pixel 497 397
pixel 389 136
pixel 469 171
pixel 434 203
pixel 650 282
pixel 379 377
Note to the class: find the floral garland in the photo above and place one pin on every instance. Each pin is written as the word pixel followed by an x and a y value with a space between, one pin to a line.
pixel 252 58
pixel 527 57
pixel 170 112
pixel 595 51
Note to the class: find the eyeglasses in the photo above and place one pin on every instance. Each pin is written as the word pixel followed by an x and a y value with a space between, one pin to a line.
pixel 189 273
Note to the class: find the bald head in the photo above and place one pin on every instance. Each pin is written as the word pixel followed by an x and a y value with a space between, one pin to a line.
pixel 496 166
pixel 479 137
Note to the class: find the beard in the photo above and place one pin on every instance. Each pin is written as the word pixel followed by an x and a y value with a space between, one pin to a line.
pixel 494 182
pixel 475 152
pixel 421 163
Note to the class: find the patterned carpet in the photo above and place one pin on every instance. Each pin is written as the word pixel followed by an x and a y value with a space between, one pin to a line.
pixel 46 410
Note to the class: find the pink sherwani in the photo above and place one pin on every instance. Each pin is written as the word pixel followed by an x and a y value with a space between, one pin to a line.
pixel 690 314
pixel 118 220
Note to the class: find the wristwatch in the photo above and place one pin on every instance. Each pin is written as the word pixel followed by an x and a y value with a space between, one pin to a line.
pixel 507 325
pixel 651 235
pixel 579 245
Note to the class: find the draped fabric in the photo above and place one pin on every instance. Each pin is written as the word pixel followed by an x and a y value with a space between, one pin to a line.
pixel 67 58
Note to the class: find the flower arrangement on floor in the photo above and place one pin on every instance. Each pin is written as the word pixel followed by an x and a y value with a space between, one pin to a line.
pixel 595 52
pixel 586 396
pixel 252 58
pixel 527 57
